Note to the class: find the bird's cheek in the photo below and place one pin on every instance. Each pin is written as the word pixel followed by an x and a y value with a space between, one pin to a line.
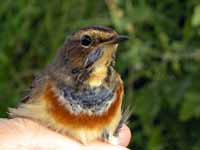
pixel 92 57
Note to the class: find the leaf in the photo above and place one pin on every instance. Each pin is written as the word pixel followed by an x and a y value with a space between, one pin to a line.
pixel 196 16
pixel 155 142
pixel 147 104
pixel 191 106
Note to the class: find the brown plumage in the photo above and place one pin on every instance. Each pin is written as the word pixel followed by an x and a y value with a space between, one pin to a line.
pixel 80 93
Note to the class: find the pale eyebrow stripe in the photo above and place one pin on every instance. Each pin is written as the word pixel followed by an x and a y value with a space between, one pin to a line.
pixel 98 28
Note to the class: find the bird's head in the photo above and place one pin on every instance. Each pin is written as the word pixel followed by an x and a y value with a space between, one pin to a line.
pixel 89 52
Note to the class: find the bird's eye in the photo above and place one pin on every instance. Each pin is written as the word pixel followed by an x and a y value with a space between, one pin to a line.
pixel 86 40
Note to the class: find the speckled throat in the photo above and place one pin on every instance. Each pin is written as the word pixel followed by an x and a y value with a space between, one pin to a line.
pixel 91 101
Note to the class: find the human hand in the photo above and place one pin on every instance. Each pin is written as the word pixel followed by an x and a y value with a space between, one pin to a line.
pixel 23 134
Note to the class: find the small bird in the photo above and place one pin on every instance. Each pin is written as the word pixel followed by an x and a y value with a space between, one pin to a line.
pixel 79 94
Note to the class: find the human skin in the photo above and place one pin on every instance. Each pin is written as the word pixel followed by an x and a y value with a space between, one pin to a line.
pixel 23 134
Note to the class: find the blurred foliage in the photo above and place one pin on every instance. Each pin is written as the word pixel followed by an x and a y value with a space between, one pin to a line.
pixel 160 65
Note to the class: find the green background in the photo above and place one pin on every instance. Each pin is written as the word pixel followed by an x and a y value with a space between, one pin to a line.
pixel 160 64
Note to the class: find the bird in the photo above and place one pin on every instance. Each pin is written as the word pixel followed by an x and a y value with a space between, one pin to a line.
pixel 79 93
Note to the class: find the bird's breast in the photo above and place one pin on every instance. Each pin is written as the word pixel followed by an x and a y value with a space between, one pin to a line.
pixel 65 116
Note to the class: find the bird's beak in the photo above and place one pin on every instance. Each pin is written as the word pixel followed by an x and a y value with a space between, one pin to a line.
pixel 117 39
pixel 120 38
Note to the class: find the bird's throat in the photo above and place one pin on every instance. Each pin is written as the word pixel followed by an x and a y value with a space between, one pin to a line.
pixel 97 76
pixel 101 66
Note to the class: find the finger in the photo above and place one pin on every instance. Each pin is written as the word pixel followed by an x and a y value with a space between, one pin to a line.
pixel 102 146
pixel 21 133
pixel 124 136
pixel 124 139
